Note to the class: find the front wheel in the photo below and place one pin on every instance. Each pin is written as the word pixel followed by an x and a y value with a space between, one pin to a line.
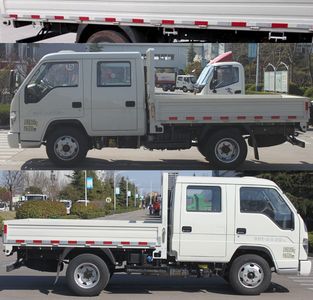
pixel 185 90
pixel 67 147
pixel 225 149
pixel 87 275
pixel 250 275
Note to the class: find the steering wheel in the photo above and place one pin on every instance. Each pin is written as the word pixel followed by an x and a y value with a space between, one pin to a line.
pixel 46 84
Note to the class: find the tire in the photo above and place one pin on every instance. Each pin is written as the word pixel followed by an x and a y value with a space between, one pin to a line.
pixel 87 275
pixel 74 146
pixel 165 88
pixel 250 275
pixel 225 149
pixel 107 36
pixel 185 90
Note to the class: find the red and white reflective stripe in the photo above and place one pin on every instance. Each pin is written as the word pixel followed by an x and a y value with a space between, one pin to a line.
pixel 5 229
pixel 238 24
pixel 82 243
pixel 280 25
pixel 165 22
pixel 227 118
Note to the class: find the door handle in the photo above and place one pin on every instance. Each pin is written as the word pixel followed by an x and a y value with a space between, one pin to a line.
pixel 238 92
pixel 130 103
pixel 76 104
pixel 241 230
pixel 186 229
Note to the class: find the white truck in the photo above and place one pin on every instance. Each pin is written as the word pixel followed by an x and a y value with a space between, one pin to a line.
pixel 242 229
pixel 221 75
pixel 72 102
pixel 185 83
pixel 164 21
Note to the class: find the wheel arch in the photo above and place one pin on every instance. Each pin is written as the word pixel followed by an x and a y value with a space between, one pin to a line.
pixel 84 31
pixel 105 254
pixel 207 130
pixel 73 123
pixel 256 250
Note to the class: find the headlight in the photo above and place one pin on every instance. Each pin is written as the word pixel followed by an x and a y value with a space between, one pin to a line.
pixel 13 116
pixel 305 244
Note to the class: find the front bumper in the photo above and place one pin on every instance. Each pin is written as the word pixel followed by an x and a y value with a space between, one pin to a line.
pixel 305 267
pixel 13 140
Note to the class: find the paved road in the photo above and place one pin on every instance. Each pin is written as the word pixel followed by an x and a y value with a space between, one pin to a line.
pixel 282 157
pixel 28 284
pixel 8 34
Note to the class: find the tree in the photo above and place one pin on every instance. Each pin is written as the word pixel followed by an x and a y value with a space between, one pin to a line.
pixel 191 53
pixel 13 182
pixel 33 190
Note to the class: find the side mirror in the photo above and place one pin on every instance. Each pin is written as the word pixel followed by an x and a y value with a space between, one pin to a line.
pixel 12 82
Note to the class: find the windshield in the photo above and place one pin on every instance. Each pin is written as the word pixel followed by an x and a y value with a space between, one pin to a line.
pixel 205 74
pixel 33 197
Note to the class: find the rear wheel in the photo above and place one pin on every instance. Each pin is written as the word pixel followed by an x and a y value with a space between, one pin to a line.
pixel 250 274
pixel 67 147
pixel 87 275
pixel 225 149
pixel 107 36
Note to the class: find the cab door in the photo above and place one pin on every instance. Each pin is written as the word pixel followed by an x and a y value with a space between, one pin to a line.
pixel 114 96
pixel 202 222
pixel 55 91
pixel 264 218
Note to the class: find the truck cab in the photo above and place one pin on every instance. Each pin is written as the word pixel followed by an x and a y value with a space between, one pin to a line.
pixel 221 76
pixel 185 83
pixel 101 93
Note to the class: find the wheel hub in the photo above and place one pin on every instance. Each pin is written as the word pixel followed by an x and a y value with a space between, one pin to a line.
pixel 227 150
pixel 66 147
pixel 87 275
pixel 250 275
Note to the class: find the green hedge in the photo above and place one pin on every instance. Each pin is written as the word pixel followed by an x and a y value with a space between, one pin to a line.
pixel 4 114
pixel 88 212
pixel 41 209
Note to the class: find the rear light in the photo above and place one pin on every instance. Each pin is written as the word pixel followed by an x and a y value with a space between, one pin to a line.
pixel 5 229
pixel 306 106
pixel 305 244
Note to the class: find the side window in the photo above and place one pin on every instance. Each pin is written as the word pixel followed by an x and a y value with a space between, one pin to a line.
pixel 113 74
pixel 180 78
pixel 266 201
pixel 203 199
pixel 50 76
pixel 224 76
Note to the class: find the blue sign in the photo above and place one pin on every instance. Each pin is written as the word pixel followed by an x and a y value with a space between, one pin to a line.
pixel 89 183
pixel 252 49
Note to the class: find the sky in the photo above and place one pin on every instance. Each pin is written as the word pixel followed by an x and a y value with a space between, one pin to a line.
pixel 146 181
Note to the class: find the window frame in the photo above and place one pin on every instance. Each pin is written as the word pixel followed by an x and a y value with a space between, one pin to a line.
pixel 113 85
pixel 292 225
pixel 55 87
pixel 203 187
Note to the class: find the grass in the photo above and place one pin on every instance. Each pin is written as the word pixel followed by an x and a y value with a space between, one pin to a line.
pixel 7 215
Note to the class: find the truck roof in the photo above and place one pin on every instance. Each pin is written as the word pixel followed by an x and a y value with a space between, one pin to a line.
pixel 225 180
pixel 80 55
